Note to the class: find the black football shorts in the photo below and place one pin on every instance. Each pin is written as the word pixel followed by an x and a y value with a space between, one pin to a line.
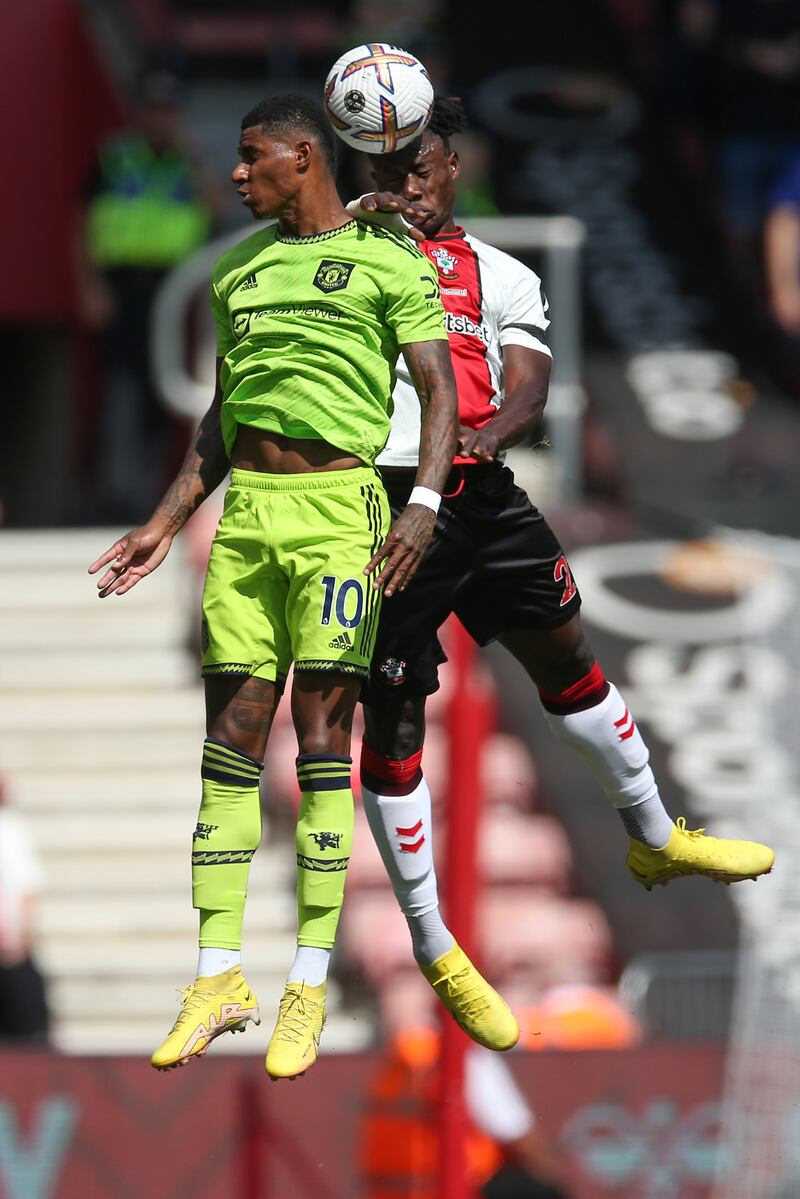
pixel 493 560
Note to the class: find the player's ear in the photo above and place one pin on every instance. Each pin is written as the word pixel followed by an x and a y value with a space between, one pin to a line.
pixel 303 151
pixel 454 164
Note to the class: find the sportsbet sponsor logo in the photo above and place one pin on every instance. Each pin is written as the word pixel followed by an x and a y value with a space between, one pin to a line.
pixel 462 324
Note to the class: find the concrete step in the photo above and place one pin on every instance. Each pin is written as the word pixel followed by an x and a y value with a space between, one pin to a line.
pixel 148 668
pixel 82 793
pixel 118 832
pixel 69 590
pixel 95 631
pixel 171 959
pixel 165 788
pixel 150 915
pixel 62 710
pixel 120 752
pixel 83 876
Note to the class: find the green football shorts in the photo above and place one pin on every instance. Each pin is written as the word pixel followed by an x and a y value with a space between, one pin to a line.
pixel 285 579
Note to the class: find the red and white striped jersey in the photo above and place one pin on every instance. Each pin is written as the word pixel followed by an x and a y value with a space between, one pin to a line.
pixel 490 301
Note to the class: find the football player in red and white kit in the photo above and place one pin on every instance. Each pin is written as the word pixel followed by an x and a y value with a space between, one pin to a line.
pixel 495 562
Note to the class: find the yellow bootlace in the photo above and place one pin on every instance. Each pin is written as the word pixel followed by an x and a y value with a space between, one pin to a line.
pixel 293 1025
pixel 471 1000
pixel 191 997
pixel 680 824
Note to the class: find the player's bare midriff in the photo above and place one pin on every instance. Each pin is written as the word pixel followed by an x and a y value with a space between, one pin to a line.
pixel 273 454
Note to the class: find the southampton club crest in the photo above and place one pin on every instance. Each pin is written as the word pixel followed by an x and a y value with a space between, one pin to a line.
pixel 393 671
pixel 445 262
pixel 333 276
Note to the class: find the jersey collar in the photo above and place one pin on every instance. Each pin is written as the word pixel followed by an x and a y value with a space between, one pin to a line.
pixel 290 237
pixel 459 232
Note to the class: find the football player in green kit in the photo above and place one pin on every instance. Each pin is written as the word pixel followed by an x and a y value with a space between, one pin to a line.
pixel 311 313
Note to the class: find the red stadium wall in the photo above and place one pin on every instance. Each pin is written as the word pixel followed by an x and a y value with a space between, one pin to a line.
pixel 629 1124
pixel 57 106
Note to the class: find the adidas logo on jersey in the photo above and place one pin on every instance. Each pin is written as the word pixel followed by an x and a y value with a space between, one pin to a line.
pixel 341 642
pixel 249 283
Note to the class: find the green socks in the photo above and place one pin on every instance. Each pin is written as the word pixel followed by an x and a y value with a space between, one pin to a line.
pixel 226 837
pixel 229 830
pixel 324 841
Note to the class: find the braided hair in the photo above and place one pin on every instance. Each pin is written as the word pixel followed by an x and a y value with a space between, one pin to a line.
pixel 448 117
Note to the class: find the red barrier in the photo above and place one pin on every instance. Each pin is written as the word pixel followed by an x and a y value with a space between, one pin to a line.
pixel 467 731
pixel 629 1125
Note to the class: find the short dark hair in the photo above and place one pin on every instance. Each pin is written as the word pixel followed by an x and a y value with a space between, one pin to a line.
pixel 292 113
pixel 448 117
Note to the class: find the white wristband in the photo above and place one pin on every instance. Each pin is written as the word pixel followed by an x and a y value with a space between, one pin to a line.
pixel 426 497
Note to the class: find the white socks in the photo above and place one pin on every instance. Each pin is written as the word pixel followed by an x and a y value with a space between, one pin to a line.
pixel 401 826
pixel 216 961
pixel 310 965
pixel 608 740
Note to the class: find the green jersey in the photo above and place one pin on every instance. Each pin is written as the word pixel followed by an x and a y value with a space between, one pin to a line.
pixel 309 330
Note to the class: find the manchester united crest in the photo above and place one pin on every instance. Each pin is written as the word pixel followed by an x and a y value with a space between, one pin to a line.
pixel 333 276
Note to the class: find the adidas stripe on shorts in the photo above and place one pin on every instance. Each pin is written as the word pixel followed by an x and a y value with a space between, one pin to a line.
pixel 285 579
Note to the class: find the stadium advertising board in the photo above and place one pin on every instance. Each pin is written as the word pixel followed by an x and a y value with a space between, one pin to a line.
pixel 641 1124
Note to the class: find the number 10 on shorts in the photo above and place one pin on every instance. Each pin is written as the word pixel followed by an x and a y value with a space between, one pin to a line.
pixel 344 597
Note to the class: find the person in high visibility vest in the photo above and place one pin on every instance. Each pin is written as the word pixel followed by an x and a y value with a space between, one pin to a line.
pixel 148 206
pixel 399 1140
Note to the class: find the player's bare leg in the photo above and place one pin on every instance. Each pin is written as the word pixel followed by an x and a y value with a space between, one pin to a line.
pixel 588 714
pixel 239 714
pixel 397 803
pixel 323 703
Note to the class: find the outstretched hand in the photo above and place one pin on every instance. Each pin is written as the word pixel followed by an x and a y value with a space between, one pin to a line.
pixel 389 202
pixel 132 558
pixel 403 549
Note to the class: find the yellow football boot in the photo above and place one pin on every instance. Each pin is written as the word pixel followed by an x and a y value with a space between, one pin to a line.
pixel 692 852
pixel 209 1007
pixel 294 1044
pixel 472 1003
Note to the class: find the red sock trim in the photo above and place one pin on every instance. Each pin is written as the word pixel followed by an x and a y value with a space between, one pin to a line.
pixel 389 776
pixel 588 691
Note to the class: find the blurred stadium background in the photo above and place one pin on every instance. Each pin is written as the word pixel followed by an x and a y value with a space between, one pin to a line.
pixel 635 153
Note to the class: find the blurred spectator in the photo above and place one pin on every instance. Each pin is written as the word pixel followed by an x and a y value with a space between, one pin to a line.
pixel 740 62
pixel 23 1008
pixel 782 251
pixel 507 1156
pixel 148 206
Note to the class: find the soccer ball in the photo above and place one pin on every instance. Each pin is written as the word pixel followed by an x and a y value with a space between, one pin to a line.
pixel 378 98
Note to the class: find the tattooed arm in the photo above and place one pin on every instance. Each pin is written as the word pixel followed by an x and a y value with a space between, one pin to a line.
pixel 138 554
pixel 431 371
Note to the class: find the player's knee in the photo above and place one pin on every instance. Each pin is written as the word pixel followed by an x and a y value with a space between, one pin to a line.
pixel 240 711
pixel 323 740
pixel 246 740
pixel 395 730
pixel 563 665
